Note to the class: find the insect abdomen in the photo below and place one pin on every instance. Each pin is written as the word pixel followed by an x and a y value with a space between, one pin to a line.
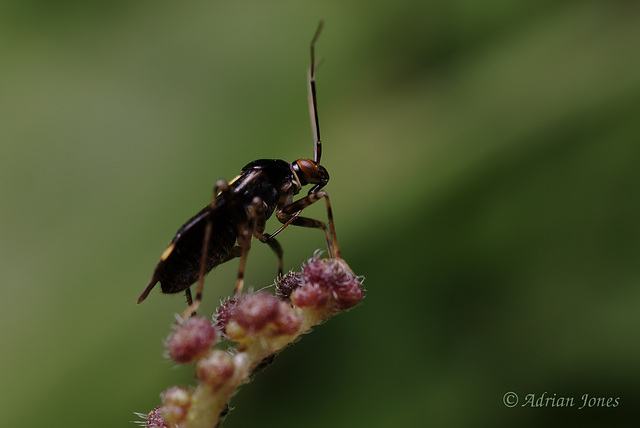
pixel 179 267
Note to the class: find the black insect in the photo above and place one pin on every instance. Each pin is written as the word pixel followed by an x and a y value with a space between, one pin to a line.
pixel 239 209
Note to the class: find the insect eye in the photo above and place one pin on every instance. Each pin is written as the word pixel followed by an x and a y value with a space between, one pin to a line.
pixel 308 167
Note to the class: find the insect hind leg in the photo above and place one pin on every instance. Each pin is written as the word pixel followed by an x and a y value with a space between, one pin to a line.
pixel 223 188
pixel 187 294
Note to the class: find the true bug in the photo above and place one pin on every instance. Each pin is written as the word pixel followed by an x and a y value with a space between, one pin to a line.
pixel 239 210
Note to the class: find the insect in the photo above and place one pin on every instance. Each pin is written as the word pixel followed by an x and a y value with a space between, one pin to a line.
pixel 239 209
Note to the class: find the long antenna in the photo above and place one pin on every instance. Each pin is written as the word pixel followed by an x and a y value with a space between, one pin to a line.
pixel 313 102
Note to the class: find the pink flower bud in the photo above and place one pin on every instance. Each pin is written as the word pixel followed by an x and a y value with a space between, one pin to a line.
pixel 255 310
pixel 287 321
pixel 224 314
pixel 175 404
pixel 191 339
pixel 334 276
pixel 310 296
pixel 348 292
pixel 215 369
pixel 318 272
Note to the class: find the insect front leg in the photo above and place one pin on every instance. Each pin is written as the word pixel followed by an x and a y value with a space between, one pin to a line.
pixel 265 238
pixel 290 214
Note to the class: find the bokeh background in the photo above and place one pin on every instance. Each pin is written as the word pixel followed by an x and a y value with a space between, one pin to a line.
pixel 484 175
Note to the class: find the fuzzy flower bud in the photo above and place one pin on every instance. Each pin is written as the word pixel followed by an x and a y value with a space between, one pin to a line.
pixel 347 290
pixel 316 272
pixel 310 296
pixel 175 404
pixel 287 321
pixel 261 313
pixel 324 278
pixel 215 369
pixel 192 338
pixel 255 310
pixel 223 314
pixel 287 284
pixel 153 419
pixel 262 325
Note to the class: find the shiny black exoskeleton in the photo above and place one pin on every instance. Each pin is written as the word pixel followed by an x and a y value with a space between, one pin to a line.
pixel 239 210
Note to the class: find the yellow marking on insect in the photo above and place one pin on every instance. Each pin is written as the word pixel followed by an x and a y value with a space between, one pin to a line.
pixel 167 252
pixel 219 192
pixel 235 179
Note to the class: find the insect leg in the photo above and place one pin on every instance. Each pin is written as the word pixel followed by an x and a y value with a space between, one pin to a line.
pixel 265 238
pixel 246 227
pixel 187 293
pixel 290 214
pixel 236 251
pixel 259 216
pixel 222 187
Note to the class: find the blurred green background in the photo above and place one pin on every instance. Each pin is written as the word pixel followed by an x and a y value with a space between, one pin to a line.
pixel 484 177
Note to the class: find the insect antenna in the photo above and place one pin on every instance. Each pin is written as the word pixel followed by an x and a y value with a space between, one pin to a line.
pixel 313 103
